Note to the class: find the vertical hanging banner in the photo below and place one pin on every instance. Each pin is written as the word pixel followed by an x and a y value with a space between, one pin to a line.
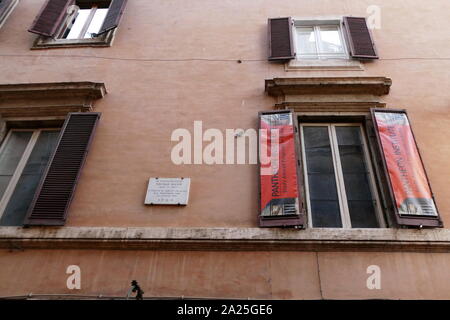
pixel 278 170
pixel 406 173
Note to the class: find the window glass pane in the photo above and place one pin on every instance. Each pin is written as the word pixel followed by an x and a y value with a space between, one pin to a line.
pixel 23 194
pixel 96 23
pixel 10 156
pixel 360 199
pixel 352 159
pixel 73 32
pixel 326 214
pixel 362 214
pixel 306 41
pixel 323 194
pixel 330 40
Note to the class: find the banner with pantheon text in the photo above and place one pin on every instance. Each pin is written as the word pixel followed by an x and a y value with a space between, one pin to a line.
pixel 405 169
pixel 278 167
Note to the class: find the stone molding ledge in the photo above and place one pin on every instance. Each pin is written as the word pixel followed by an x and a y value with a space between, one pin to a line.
pixel 48 99
pixel 376 86
pixel 226 239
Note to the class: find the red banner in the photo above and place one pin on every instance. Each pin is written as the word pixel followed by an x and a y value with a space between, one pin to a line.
pixel 278 171
pixel 406 172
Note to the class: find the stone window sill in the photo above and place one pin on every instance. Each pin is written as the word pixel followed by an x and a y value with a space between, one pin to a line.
pixel 324 65
pixel 226 239
pixel 104 40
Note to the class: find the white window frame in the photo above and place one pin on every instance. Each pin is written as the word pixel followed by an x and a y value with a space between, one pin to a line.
pixel 320 56
pixel 22 162
pixel 340 184
pixel 85 27
pixel 316 24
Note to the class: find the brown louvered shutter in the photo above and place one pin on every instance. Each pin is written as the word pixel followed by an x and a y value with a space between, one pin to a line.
pixel 410 192
pixel 114 15
pixel 359 38
pixel 55 191
pixel 50 17
pixel 281 47
pixel 281 183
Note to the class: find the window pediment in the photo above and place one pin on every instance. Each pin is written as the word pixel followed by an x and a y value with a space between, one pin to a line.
pixel 48 99
pixel 331 94
pixel 376 86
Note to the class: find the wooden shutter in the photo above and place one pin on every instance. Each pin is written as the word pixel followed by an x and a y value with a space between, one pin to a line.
pixel 386 200
pixel 281 46
pixel 361 45
pixel 281 191
pixel 114 15
pixel 50 17
pixel 409 188
pixel 55 191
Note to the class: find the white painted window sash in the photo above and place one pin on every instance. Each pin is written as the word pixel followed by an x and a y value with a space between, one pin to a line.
pixel 88 22
pixel 85 27
pixel 319 54
pixel 21 165
pixel 339 176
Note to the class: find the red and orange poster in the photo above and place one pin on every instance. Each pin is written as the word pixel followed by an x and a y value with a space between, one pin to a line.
pixel 278 171
pixel 409 182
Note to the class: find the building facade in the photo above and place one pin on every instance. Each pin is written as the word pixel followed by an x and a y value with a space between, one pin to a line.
pixel 97 97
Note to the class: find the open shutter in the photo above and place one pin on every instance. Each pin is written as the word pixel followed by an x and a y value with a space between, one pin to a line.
pixel 281 197
pixel 50 17
pixel 281 46
pixel 114 15
pixel 387 203
pixel 360 40
pixel 408 183
pixel 55 191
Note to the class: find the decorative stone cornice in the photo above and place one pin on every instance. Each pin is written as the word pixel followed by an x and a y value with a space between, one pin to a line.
pixel 48 99
pixel 376 86
pixel 227 239
pixel 302 106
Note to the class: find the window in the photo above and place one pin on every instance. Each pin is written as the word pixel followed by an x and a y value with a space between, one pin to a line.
pixel 84 22
pixel 68 23
pixel 339 182
pixel 351 162
pixel 6 7
pixel 320 42
pixel 24 155
pixel 336 43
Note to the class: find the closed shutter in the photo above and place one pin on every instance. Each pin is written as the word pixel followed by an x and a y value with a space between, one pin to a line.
pixel 281 189
pixel 114 15
pixel 55 191
pixel 281 47
pixel 412 199
pixel 50 17
pixel 360 40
